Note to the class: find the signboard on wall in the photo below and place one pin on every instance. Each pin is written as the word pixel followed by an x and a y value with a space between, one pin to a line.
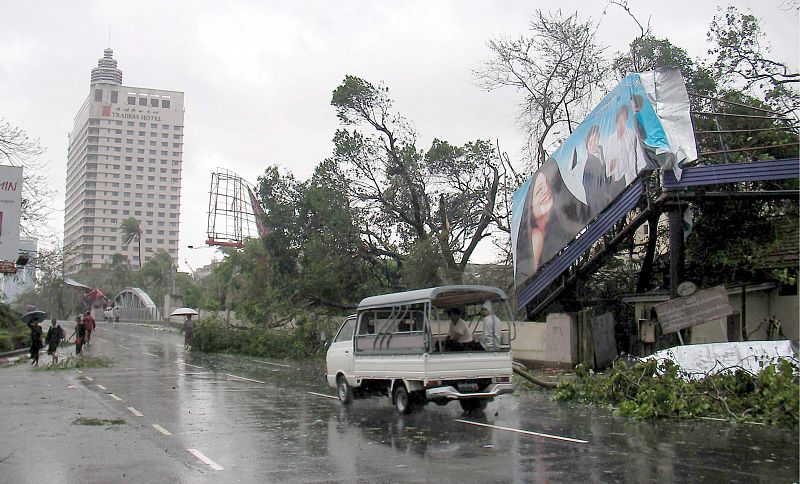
pixel 700 307
pixel 10 211
pixel 643 123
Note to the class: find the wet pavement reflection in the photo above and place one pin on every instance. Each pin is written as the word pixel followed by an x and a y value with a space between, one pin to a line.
pixel 256 419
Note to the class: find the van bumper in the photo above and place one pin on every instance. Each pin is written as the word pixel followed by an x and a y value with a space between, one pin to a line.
pixel 450 393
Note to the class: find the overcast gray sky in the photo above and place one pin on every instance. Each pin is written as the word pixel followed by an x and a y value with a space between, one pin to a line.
pixel 258 75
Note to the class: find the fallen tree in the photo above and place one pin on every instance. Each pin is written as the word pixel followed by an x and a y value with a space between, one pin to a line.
pixel 660 389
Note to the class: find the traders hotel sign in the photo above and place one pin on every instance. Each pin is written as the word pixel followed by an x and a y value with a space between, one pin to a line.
pixel 141 115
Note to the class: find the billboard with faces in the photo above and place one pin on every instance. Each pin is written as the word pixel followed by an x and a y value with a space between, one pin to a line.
pixel 626 134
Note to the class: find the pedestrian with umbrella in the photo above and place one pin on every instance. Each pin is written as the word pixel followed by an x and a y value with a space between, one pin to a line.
pixel 188 324
pixel 32 319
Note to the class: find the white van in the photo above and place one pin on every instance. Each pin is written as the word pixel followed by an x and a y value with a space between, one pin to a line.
pixel 429 345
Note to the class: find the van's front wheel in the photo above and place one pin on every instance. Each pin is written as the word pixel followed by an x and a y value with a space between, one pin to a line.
pixel 344 390
pixel 402 400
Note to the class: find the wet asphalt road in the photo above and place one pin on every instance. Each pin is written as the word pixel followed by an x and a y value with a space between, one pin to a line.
pixel 254 420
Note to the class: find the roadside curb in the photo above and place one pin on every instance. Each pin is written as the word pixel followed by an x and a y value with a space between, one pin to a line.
pixel 10 356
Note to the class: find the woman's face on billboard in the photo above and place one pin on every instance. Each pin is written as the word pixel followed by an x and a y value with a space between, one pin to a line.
pixel 542 200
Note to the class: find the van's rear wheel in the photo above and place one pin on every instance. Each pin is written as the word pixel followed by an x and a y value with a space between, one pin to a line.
pixel 402 400
pixel 472 404
pixel 344 390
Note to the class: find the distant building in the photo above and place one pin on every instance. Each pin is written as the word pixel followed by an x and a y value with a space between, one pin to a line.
pixel 205 271
pixel 125 158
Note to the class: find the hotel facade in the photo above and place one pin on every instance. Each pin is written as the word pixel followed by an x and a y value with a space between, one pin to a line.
pixel 124 160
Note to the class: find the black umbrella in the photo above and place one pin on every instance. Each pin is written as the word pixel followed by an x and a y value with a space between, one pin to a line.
pixel 31 316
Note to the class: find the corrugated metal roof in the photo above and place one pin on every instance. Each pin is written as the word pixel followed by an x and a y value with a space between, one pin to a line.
pixel 734 172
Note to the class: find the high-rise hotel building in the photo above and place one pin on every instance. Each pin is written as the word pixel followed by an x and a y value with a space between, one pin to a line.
pixel 124 160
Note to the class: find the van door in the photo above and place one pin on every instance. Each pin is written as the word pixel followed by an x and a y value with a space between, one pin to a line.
pixel 340 353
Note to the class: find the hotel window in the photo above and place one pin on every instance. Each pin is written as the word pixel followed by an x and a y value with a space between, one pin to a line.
pixel 154 103
pixel 142 101
pixel 165 103
pixel 114 95
pixel 98 95
pixel 131 101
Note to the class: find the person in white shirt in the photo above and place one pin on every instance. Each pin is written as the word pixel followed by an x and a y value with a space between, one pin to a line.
pixel 458 333
pixel 492 328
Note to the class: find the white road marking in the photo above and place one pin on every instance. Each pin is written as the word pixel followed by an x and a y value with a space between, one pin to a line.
pixel 274 364
pixel 114 397
pixel 101 339
pixel 151 354
pixel 88 378
pixel 528 432
pixel 210 463
pixel 323 395
pixel 247 379
pixel 135 412
pixel 72 386
pixel 123 347
pixel 193 366
pixel 101 387
pixel 162 429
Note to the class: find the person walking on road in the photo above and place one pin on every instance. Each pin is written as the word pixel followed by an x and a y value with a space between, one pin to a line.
pixel 88 322
pixel 79 333
pixel 55 333
pixel 188 331
pixel 36 341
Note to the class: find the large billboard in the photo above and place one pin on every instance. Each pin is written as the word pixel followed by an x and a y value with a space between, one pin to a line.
pixel 642 124
pixel 10 211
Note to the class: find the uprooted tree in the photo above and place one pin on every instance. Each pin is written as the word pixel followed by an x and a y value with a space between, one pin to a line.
pixel 416 206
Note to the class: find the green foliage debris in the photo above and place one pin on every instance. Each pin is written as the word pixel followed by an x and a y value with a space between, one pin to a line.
pixel 80 361
pixel 97 421
pixel 652 389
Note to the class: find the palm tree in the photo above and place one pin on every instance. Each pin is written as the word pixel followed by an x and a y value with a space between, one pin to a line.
pixel 131 229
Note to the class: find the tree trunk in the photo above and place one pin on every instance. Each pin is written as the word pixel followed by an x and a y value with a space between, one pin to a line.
pixel 646 274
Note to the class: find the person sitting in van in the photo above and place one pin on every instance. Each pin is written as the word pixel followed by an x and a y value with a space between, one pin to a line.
pixel 458 334
pixel 492 330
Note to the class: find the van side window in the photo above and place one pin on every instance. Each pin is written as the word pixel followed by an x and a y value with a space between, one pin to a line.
pixel 396 328
pixel 346 332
